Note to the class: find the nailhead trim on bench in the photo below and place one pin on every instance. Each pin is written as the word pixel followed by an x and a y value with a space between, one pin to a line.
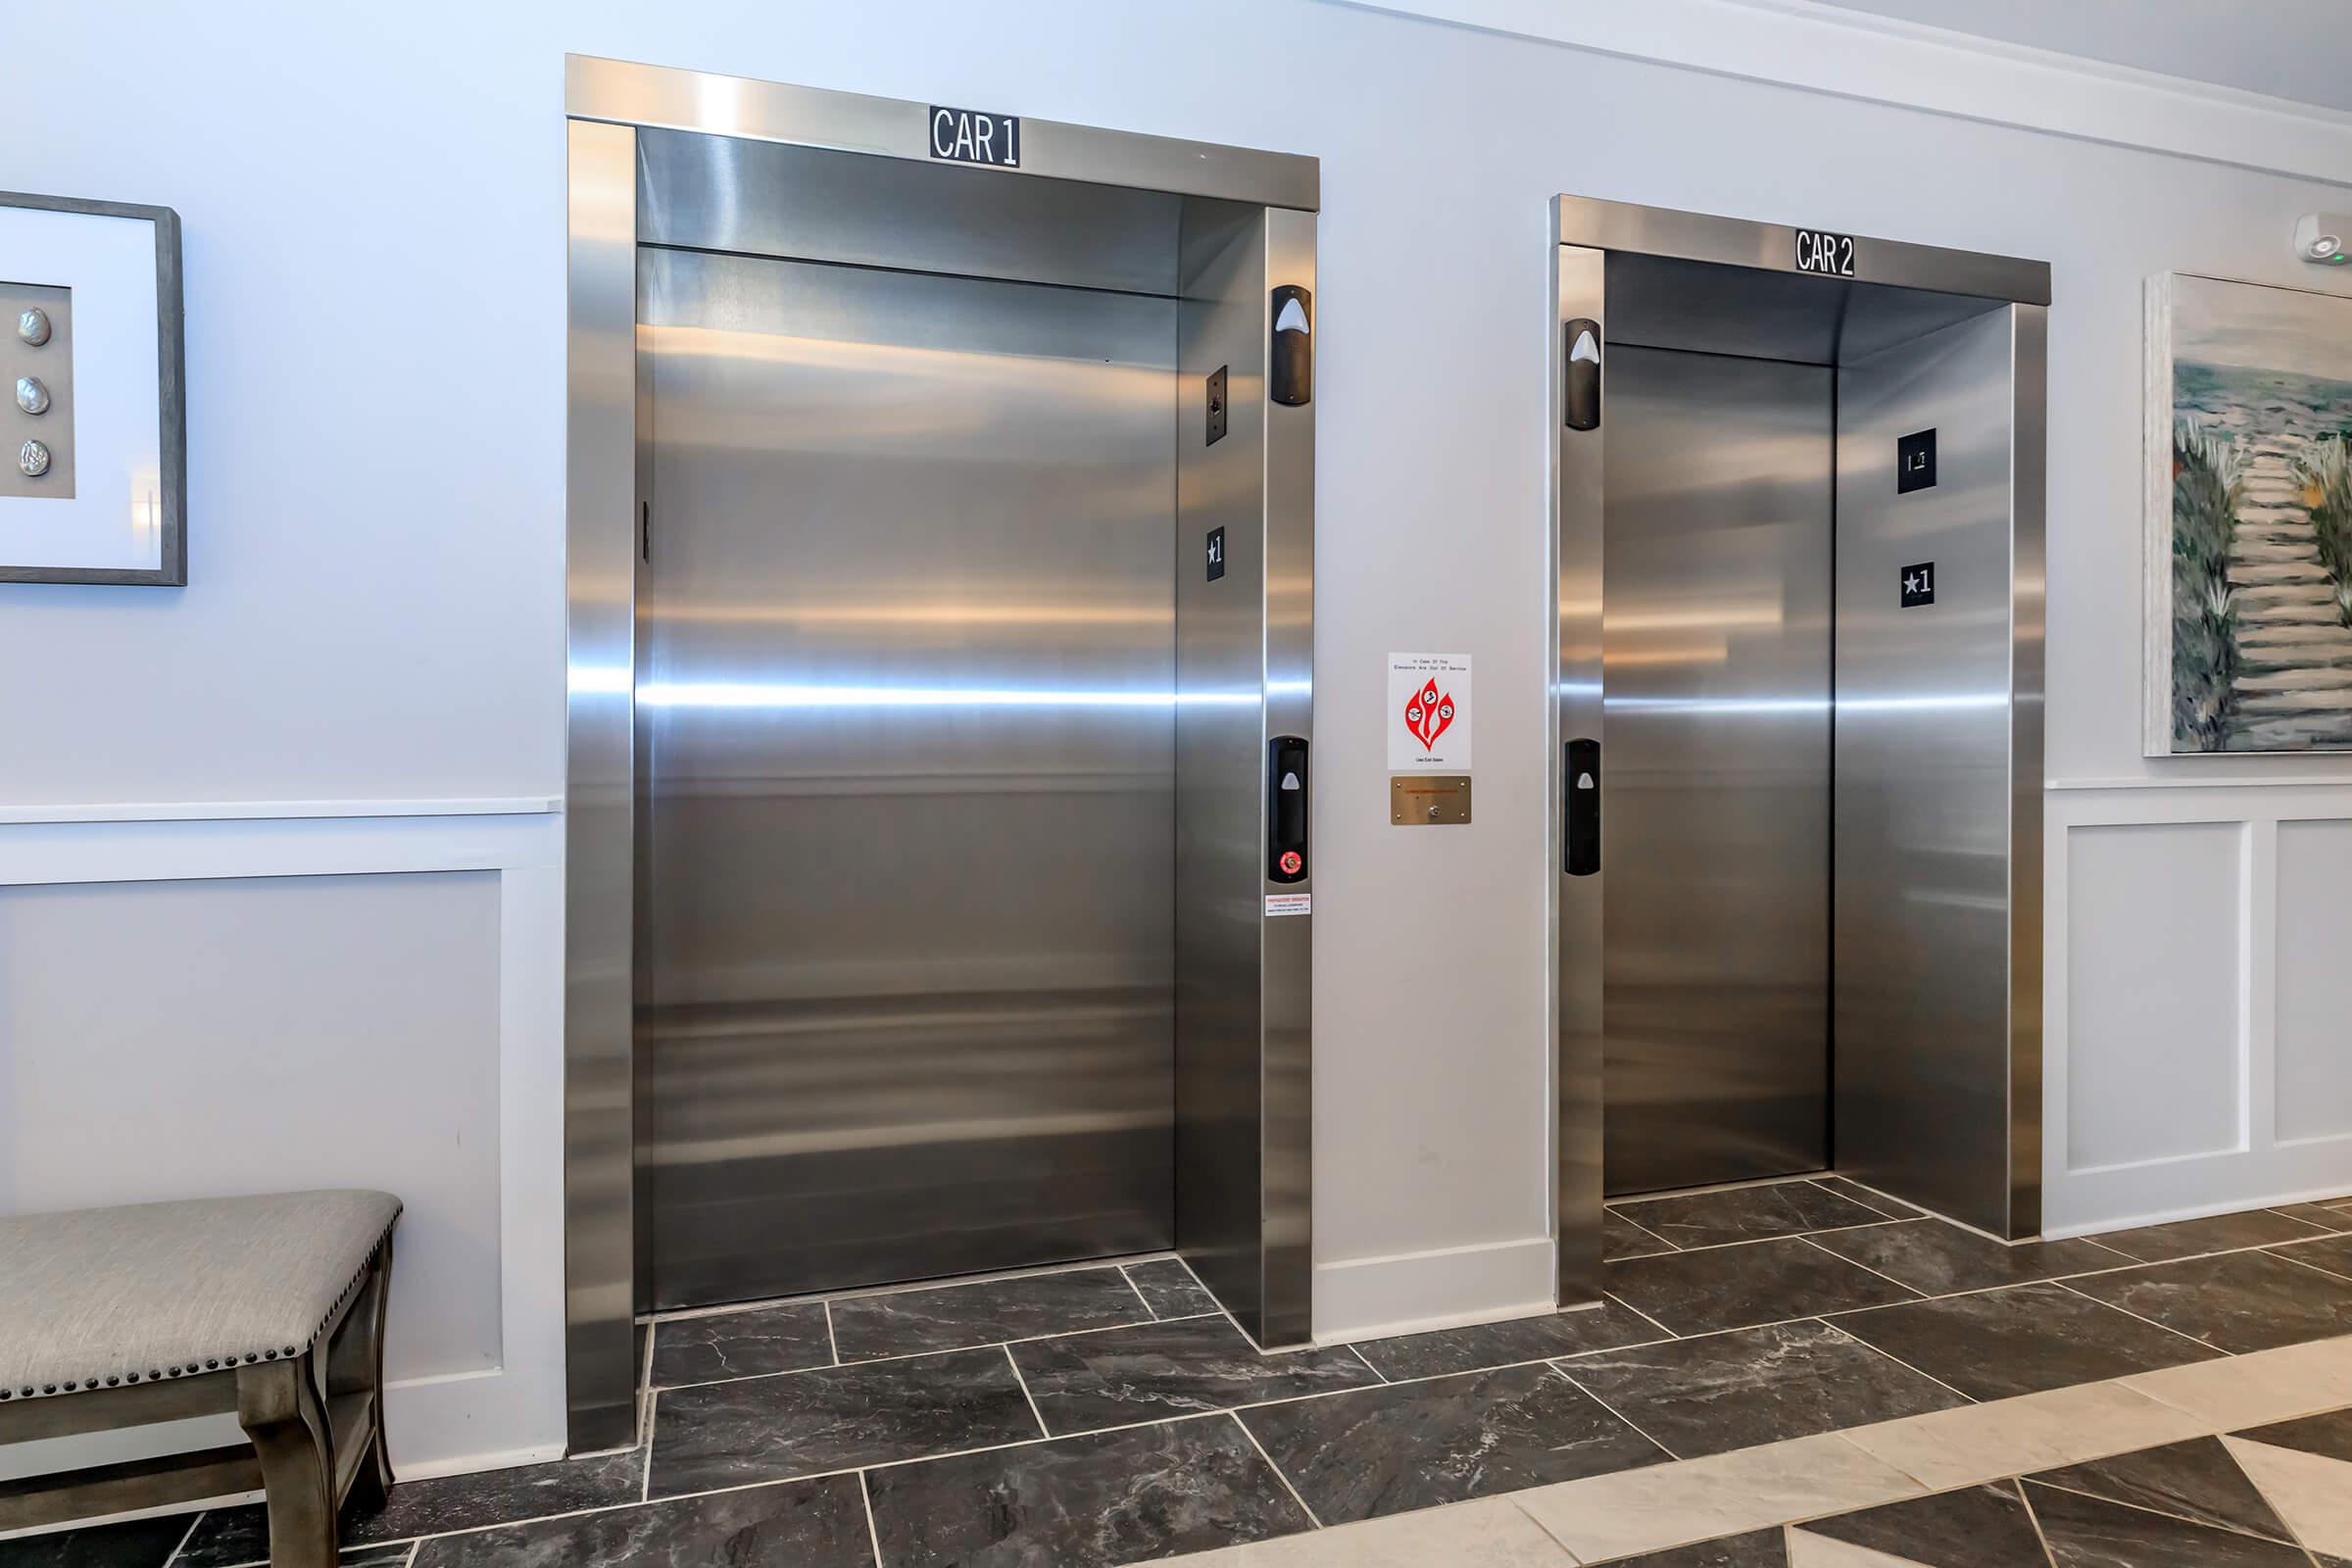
pixel 214 1364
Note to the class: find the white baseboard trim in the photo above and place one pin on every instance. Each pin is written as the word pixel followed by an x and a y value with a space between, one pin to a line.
pixel 2204 1208
pixel 1443 1288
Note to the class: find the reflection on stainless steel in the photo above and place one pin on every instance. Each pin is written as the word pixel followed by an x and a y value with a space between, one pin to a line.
pixel 1700 942
pixel 900 554
pixel 1715 793
pixel 906 1004
pixel 599 1291
pixel 1923 768
pixel 1578 494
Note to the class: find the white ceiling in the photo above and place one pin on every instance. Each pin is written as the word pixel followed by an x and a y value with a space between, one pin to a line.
pixel 2294 49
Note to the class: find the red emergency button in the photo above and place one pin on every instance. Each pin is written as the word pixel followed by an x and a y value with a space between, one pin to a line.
pixel 1291 862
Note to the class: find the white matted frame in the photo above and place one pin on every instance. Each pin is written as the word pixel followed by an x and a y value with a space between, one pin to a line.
pixel 2161 416
pixel 127 521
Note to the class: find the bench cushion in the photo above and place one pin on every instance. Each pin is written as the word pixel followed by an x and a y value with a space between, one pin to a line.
pixel 94 1297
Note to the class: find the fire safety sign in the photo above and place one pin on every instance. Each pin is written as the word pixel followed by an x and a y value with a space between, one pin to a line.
pixel 1429 712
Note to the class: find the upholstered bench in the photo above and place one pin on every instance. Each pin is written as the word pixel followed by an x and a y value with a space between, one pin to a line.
pixel 271 1308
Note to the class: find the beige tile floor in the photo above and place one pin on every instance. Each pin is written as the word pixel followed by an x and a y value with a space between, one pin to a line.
pixel 1611 1516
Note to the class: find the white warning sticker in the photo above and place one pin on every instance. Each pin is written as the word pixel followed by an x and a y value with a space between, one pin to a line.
pixel 1290 903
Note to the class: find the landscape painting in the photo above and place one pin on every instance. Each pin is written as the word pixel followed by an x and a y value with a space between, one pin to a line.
pixel 2249 518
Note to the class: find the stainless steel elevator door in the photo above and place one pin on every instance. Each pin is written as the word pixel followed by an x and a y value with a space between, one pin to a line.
pixel 1715 778
pixel 906 679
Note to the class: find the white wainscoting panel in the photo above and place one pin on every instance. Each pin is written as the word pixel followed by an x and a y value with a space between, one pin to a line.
pixel 2314 922
pixel 2199 1054
pixel 195 1005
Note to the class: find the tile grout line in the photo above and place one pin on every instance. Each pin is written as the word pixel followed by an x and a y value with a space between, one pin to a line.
pixel 2219 1353
pixel 2017 1483
pixel 1857 1339
pixel 1358 1351
pixel 185 1535
pixel 2307 1263
pixel 2162 1513
pixel 832 1342
pixel 1606 1212
pixel 1035 1414
pixel 1280 1475
pixel 645 1477
pixel 1917 1294
pixel 1608 1296
pixel 861 1293
pixel 916 1355
pixel 873 1530
pixel 1579 1388
pixel 1138 1293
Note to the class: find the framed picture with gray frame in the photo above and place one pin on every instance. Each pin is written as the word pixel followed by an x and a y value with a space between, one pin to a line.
pixel 2249 517
pixel 93 463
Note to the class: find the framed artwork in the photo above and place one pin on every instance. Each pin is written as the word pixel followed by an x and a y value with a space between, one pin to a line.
pixel 2249 518
pixel 93 428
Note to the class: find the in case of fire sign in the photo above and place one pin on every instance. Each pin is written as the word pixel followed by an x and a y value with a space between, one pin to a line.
pixel 1429 712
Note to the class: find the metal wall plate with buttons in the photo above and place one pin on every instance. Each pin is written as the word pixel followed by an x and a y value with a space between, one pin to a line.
pixel 1428 800
pixel 36 363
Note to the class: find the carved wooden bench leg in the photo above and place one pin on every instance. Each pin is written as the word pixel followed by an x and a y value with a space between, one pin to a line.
pixel 277 1405
pixel 355 1364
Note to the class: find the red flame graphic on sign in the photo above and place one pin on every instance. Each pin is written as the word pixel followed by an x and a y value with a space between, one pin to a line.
pixel 1429 714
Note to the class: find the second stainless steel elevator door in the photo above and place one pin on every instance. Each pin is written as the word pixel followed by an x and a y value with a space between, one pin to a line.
pixel 1715 783
pixel 906 716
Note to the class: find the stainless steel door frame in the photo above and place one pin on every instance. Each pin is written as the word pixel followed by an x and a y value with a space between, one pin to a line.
pixel 1585 234
pixel 607 102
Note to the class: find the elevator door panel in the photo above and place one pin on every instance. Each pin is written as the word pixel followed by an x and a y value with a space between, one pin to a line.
pixel 1715 770
pixel 906 719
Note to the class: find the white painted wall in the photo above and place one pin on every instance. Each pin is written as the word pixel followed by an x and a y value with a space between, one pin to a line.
pixel 374 212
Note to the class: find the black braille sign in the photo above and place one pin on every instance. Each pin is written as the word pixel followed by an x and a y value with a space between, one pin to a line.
pixel 1915 463
pixel 1919 585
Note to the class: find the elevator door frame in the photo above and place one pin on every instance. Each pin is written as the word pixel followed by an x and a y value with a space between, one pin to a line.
pixel 607 103
pixel 1585 234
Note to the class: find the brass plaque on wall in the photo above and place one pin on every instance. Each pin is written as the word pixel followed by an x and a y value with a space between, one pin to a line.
pixel 1425 800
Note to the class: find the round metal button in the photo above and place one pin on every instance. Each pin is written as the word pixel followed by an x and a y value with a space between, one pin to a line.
pixel 33 459
pixel 34 327
pixel 32 396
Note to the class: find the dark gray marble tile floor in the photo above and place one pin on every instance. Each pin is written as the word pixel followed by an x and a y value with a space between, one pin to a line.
pixel 1753 1386
pixel 741 1344
pixel 1169 1289
pixel 1390 1449
pixel 1757 1548
pixel 225 1536
pixel 1974 1527
pixel 2024 1340
pixel 1520 1339
pixel 2235 1301
pixel 1099 1498
pixel 1154 1371
pixel 2195 1480
pixel 1937 1258
pixel 809 1523
pixel 2221 1233
pixel 1109 1414
pixel 954 1317
pixel 1749 1283
pixel 135 1544
pixel 835 1418
pixel 1746 1214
